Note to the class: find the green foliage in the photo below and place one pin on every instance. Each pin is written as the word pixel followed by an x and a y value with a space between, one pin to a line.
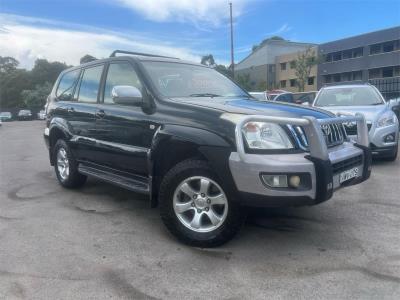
pixel 274 38
pixel 208 60
pixel 87 58
pixel 34 83
pixel 244 81
pixel 224 70
pixel 36 98
pixel 262 86
pixel 303 65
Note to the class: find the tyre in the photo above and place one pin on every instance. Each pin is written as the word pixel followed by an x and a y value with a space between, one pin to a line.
pixel 195 206
pixel 66 167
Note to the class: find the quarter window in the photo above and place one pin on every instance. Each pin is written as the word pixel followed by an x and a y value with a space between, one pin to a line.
pixel 66 85
pixel 120 74
pixel 90 83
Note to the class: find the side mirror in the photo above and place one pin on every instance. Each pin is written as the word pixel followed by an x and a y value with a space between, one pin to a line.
pixel 127 95
pixel 306 103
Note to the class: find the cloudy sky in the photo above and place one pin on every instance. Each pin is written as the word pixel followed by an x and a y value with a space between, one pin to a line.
pixel 65 30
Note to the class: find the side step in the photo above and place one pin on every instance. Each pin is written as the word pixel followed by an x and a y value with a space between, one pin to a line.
pixel 137 184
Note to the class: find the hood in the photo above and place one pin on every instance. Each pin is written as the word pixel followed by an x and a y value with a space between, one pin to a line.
pixel 255 107
pixel 371 112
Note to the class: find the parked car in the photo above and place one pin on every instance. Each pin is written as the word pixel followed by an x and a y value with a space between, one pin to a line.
pixel 280 96
pixel 197 144
pixel 259 95
pixel 41 115
pixel 382 122
pixel 24 114
pixel 5 116
pixel 1 123
pixel 304 97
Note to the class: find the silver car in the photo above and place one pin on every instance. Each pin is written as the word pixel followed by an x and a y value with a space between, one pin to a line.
pixel 382 122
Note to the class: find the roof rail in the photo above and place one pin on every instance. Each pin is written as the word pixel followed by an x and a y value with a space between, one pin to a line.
pixel 139 54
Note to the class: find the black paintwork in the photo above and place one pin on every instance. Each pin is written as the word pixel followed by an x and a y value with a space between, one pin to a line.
pixel 148 139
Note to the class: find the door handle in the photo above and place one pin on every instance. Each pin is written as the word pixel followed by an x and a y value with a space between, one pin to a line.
pixel 100 114
pixel 70 110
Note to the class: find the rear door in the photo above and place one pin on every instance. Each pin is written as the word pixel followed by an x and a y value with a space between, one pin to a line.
pixel 124 131
pixel 82 110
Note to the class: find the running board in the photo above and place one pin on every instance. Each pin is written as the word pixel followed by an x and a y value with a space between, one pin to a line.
pixel 139 184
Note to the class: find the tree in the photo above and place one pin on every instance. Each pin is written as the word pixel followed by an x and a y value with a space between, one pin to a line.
pixel 262 86
pixel 244 81
pixel 8 64
pixel 44 71
pixel 224 70
pixel 303 65
pixel 87 58
pixel 36 98
pixel 208 60
pixel 11 85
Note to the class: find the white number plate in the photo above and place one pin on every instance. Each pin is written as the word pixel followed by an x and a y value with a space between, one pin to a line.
pixel 349 174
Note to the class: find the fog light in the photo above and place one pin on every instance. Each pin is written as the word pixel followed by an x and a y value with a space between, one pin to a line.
pixel 389 138
pixel 294 181
pixel 275 181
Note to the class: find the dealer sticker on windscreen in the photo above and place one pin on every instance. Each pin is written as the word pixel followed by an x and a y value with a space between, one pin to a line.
pixel 347 175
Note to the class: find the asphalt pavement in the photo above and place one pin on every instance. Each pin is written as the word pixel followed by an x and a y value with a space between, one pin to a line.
pixel 103 242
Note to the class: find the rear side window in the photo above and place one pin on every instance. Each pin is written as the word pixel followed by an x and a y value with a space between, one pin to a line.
pixel 90 83
pixel 66 86
pixel 120 74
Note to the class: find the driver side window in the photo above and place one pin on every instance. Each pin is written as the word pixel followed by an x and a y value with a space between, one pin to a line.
pixel 121 73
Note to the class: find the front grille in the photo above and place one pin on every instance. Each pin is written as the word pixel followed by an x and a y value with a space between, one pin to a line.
pixel 351 128
pixel 333 134
pixel 347 164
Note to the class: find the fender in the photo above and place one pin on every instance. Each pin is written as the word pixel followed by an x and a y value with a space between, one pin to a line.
pixel 57 127
pixel 173 143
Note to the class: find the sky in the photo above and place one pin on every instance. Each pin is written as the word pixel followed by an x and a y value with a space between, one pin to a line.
pixel 65 30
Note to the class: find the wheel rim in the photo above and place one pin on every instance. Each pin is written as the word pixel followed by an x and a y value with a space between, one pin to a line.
pixel 200 204
pixel 62 164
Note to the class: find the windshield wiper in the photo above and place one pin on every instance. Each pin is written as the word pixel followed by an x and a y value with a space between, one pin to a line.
pixel 376 103
pixel 205 95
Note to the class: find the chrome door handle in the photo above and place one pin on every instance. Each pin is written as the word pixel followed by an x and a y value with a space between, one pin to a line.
pixel 100 114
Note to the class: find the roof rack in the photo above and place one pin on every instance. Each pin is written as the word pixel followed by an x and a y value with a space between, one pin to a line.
pixel 139 54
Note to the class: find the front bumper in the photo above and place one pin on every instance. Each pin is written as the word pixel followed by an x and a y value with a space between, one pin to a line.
pixel 322 165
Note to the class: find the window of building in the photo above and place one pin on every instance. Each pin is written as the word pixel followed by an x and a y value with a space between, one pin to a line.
pixel 346 76
pixel 310 81
pixel 375 49
pixel 337 56
pixel 396 71
pixel 283 83
pixel 347 54
pixel 374 73
pixel 388 47
pixel 357 75
pixel 90 83
pixel 327 78
pixel 358 52
pixel 292 82
pixel 328 57
pixel 120 74
pixel 387 72
pixel 67 84
pixel 293 64
pixel 283 66
pixel 336 77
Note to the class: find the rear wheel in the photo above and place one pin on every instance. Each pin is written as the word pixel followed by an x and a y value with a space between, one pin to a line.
pixel 66 167
pixel 196 208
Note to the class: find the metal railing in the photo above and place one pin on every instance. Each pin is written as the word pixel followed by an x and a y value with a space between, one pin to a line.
pixel 312 127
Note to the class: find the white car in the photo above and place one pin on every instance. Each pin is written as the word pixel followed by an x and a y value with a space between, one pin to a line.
pixel 366 99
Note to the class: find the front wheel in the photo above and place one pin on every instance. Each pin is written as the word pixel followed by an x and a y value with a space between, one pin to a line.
pixel 66 166
pixel 196 208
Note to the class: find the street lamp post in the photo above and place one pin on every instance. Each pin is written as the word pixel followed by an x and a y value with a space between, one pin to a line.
pixel 232 57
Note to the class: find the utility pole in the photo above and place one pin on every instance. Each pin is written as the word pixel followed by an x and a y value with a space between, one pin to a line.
pixel 232 57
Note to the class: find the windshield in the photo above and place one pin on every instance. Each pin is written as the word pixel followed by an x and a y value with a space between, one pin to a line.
pixel 184 80
pixel 5 114
pixel 348 96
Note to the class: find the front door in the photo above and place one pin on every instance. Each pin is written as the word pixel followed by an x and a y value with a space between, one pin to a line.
pixel 82 113
pixel 124 132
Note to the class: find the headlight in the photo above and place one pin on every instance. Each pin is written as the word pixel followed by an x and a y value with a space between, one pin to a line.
pixel 260 135
pixel 387 119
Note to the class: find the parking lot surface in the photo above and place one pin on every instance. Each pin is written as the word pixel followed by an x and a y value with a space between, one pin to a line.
pixel 102 242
